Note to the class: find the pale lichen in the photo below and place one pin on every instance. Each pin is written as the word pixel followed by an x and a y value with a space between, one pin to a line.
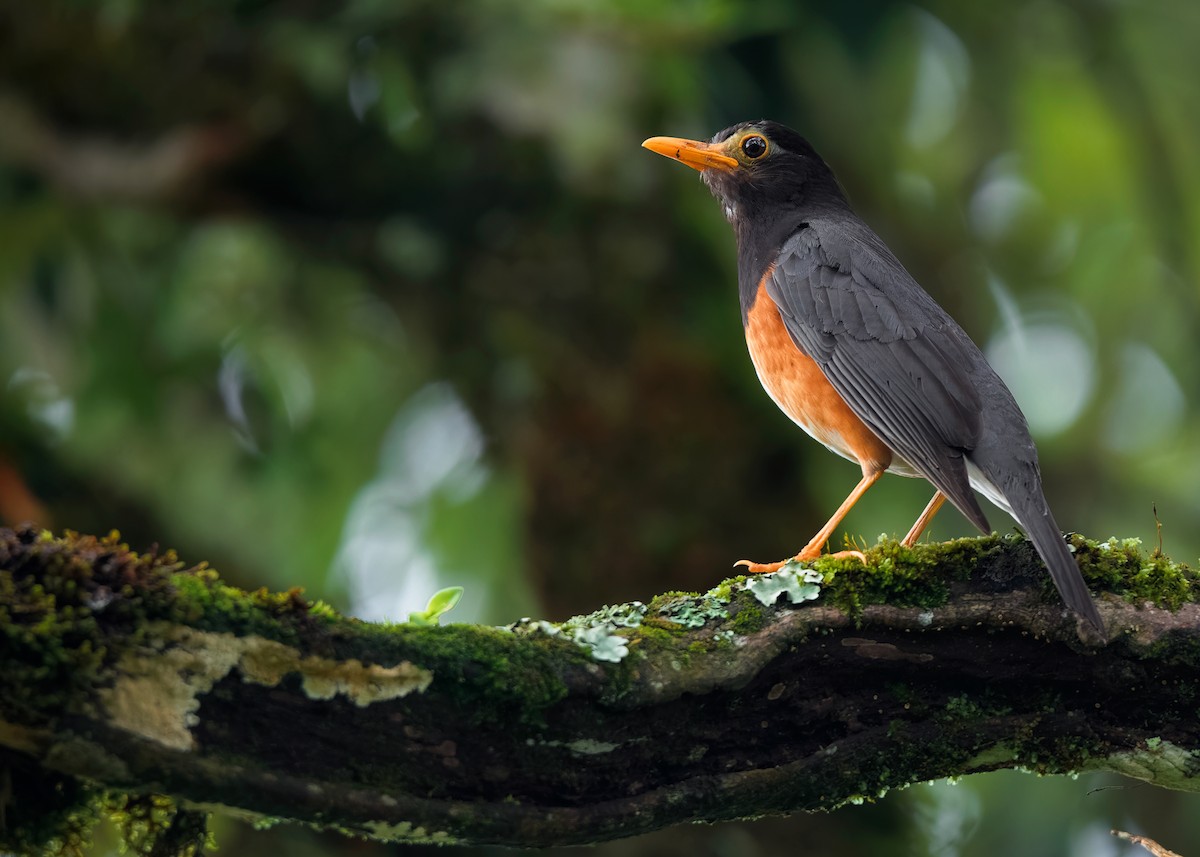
pixel 998 756
pixel 693 611
pixel 616 615
pixel 156 689
pixel 603 645
pixel 1163 764
pixel 595 631
pixel 324 678
pixel 799 583
pixel 405 831
pixel 591 747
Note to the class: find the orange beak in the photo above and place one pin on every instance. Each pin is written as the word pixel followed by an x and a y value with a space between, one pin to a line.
pixel 694 153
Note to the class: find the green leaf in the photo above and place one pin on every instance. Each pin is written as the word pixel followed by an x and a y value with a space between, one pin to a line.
pixel 443 601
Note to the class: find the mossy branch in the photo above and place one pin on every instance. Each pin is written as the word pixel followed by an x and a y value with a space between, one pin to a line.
pixel 131 676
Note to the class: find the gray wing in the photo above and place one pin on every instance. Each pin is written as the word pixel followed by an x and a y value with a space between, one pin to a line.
pixel 900 362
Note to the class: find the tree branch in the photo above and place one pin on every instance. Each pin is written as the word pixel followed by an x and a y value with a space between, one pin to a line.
pixel 129 673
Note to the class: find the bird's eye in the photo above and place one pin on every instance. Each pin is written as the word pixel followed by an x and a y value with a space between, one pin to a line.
pixel 754 147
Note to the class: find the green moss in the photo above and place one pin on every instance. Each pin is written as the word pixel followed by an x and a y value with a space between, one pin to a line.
pixel 517 674
pixel 904 759
pixel 650 636
pixel 201 600
pixel 153 825
pixel 43 812
pixel 725 590
pixel 49 636
pixel 54 816
pixel 894 574
pixel 1122 566
pixel 671 595
pixel 963 708
pixel 323 612
pixel 921 576
pixel 749 618
pixel 971 709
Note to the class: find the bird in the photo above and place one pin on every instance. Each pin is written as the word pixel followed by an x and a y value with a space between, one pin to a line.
pixel 855 352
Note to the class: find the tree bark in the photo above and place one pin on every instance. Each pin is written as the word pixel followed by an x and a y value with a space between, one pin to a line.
pixel 132 674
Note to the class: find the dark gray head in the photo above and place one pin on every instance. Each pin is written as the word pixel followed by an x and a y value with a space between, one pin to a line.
pixel 760 171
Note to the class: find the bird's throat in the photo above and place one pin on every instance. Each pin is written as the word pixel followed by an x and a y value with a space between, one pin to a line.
pixel 759 245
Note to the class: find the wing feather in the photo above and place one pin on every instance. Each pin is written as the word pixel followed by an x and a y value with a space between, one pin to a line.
pixel 889 350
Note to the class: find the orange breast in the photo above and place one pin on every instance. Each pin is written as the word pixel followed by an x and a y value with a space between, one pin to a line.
pixel 801 390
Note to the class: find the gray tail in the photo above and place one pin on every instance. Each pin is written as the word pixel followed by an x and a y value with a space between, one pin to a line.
pixel 1039 524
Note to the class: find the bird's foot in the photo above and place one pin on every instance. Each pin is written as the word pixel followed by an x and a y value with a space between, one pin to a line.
pixel 805 555
pixel 761 567
pixel 858 555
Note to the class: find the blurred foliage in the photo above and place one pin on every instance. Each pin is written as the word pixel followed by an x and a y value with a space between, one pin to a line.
pixel 383 297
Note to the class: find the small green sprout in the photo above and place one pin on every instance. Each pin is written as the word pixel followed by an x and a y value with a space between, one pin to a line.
pixel 443 601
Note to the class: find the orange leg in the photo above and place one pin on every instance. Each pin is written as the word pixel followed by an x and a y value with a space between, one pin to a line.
pixel 813 549
pixel 922 522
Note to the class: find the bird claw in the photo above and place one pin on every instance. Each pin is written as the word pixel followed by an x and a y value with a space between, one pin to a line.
pixel 803 556
pixel 760 567
pixel 858 555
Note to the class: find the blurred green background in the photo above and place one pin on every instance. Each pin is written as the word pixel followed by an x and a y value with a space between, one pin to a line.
pixel 382 296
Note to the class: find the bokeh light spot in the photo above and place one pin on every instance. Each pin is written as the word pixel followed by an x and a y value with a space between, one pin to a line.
pixel 1147 405
pixel 1048 366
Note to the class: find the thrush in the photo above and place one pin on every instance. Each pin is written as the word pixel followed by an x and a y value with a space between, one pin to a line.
pixel 858 355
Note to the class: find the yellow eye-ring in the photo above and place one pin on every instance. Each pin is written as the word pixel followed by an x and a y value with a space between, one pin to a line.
pixel 754 147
